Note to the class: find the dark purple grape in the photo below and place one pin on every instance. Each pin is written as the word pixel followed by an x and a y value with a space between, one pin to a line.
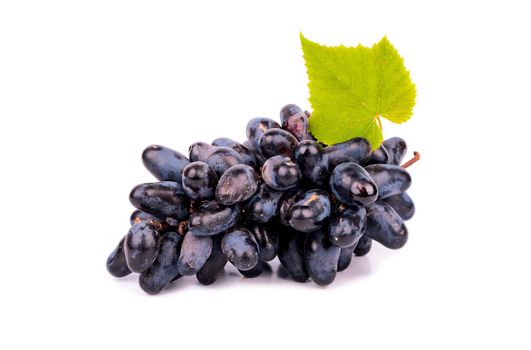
pixel 264 205
pixel 223 158
pixel 396 148
pixel 199 151
pixel 199 181
pixel 390 179
pixel 164 163
pixel 116 264
pixel 256 127
pixel 385 226
pixel 313 162
pixel 321 257
pixel 257 270
pixel 214 265
pixel 356 150
pixel 281 173
pixel 240 248
pixel 246 154
pixel 402 204
pixel 286 202
pixel 363 247
pixel 275 142
pixel 345 257
pixel 195 251
pixel 294 120
pixel 310 211
pixel 352 184
pixel 237 184
pixel 291 253
pixel 141 246
pixel 161 199
pixel 260 160
pixel 212 218
pixel 266 235
pixel 164 268
pixel 379 156
pixel 347 225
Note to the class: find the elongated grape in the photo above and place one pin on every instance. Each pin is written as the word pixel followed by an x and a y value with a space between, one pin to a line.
pixel 356 150
pixel 390 179
pixel 161 199
pixel 116 263
pixel 212 218
pixel 294 120
pixel 257 270
pixel 313 162
pixel 352 184
pixel 246 154
pixel 321 257
pixel 385 226
pixel 345 257
pixel 199 181
pixel 379 156
pixel 402 204
pixel 214 265
pixel 266 235
pixel 291 253
pixel 223 158
pixel 277 142
pixel 256 127
pixel 240 248
pixel 363 247
pixel 396 148
pixel 164 269
pixel 164 163
pixel 347 225
pixel 237 184
pixel 195 251
pixel 199 151
pixel 264 205
pixel 141 246
pixel 310 211
pixel 281 173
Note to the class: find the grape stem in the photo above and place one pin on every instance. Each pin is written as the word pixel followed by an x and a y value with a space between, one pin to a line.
pixel 416 157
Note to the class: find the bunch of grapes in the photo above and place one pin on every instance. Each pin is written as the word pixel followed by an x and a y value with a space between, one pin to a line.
pixel 280 193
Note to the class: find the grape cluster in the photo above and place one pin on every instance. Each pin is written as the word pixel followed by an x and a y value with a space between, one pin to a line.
pixel 280 193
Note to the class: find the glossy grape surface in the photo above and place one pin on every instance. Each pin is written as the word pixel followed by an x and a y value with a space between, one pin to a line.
pixel 396 148
pixel 161 199
pixel 195 251
pixel 264 205
pixel 247 155
pixel 390 179
pixel 402 204
pixel 237 184
pixel 213 267
pixel 310 211
pixel 275 142
pixel 223 158
pixel 256 127
pixel 116 263
pixel 356 150
pixel 313 162
pixel 352 184
pixel 347 226
pixel 321 257
pixel 141 246
pixel 199 181
pixel 240 248
pixel 294 120
pixel 212 218
pixel 385 226
pixel 266 235
pixel 291 253
pixel 363 247
pixel 345 257
pixel 281 173
pixel 164 163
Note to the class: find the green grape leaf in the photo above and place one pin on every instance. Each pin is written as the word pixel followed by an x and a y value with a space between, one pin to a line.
pixel 352 87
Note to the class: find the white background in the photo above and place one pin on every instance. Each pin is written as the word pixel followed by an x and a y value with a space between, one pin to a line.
pixel 86 85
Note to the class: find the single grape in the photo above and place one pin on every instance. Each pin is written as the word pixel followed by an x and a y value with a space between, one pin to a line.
pixel 364 246
pixel 256 127
pixel 195 251
pixel 294 120
pixel 246 154
pixel 237 184
pixel 402 204
pixel 275 142
pixel 291 253
pixel 257 270
pixel 266 235
pixel 199 151
pixel 356 150
pixel 161 199
pixel 141 246
pixel 264 205
pixel 379 156
pixel 313 162
pixel 281 173
pixel 240 248
pixel 385 226
pixel 164 269
pixel 345 257
pixel 116 264
pixel 214 265
pixel 321 257
pixel 310 211
pixel 223 158
pixel 164 163
pixel 347 225
pixel 212 218
pixel 287 202
pixel 352 184
pixel 390 179
pixel 199 181
pixel 396 148
pixel 139 215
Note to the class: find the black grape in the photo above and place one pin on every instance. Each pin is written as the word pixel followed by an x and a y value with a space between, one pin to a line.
pixel 345 257
pixel 281 173
pixel 116 264
pixel 237 184
pixel 199 151
pixel 385 226
pixel 390 179
pixel 352 184
pixel 199 181
pixel 161 199
pixel 310 211
pixel 402 204
pixel 275 142
pixel 164 163
pixel 195 251
pixel 347 225
pixel 223 158
pixel 141 246
pixel 240 248
pixel 266 235
pixel 257 270
pixel 287 202
pixel 291 253
pixel 313 162
pixel 260 160
pixel 246 154
pixel 164 268
pixel 264 205
pixel 214 265
pixel 321 257
pixel 379 156
pixel 256 127
pixel 363 247
pixel 212 218
pixel 356 150
pixel 294 120
pixel 396 148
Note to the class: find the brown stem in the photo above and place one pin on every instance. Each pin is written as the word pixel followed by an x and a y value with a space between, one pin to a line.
pixel 416 158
